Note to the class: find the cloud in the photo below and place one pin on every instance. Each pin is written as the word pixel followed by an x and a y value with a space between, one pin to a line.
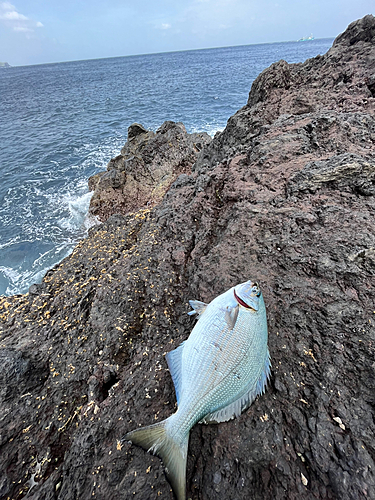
pixel 161 26
pixel 12 15
pixel 15 20
pixel 23 29
pixel 7 6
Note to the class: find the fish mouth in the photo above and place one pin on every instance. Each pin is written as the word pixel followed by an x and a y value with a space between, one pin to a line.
pixel 252 297
pixel 241 302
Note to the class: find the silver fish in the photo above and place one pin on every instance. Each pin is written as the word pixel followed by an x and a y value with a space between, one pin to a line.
pixel 217 373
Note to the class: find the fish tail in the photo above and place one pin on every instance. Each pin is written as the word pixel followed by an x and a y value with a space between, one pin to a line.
pixel 157 440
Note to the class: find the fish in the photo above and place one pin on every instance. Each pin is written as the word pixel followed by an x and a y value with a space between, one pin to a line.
pixel 217 373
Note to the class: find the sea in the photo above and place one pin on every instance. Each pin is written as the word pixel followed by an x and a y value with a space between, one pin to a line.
pixel 61 123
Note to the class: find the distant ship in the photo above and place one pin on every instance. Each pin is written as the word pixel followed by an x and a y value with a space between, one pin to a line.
pixel 4 65
pixel 306 38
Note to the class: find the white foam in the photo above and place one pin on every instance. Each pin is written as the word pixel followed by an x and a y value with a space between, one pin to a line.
pixel 10 273
pixel 78 207
pixel 50 209
pixel 210 128
pixel 20 280
pixel 91 221
pixel 9 243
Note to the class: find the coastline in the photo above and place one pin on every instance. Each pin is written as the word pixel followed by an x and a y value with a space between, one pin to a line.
pixel 285 195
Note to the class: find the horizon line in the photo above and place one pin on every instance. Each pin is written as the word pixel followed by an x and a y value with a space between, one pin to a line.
pixel 165 52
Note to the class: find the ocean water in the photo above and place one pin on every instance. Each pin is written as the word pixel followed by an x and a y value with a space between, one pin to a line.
pixel 61 123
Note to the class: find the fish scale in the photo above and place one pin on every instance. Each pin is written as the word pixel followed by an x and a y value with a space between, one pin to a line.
pixel 223 337
pixel 217 373
pixel 231 379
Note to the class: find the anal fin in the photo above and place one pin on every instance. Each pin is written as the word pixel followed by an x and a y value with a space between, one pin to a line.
pixel 235 408
pixel 174 360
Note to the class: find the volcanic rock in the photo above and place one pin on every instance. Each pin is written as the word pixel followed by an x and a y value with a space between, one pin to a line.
pixel 148 164
pixel 284 195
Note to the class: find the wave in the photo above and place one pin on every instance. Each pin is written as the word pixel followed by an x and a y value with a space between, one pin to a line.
pixel 27 260
pixel 46 214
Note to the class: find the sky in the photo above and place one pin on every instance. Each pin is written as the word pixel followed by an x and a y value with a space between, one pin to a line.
pixel 44 31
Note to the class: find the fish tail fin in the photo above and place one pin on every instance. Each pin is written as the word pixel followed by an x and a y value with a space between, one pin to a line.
pixel 155 439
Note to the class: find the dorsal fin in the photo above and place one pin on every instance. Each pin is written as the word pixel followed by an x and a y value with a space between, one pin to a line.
pixel 198 307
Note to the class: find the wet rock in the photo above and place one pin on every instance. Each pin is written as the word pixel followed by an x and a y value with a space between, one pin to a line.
pixel 37 288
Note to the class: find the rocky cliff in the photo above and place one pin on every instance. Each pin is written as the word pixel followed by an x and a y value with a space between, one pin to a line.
pixel 284 195
pixel 144 170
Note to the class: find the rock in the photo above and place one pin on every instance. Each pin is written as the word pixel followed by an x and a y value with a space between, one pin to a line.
pixel 148 164
pixel 37 288
pixel 284 195
pixel 362 30
pixel 18 371
pixel 323 99
pixel 346 172
pixel 136 129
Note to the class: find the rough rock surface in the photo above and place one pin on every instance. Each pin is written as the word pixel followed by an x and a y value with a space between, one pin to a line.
pixel 284 195
pixel 148 164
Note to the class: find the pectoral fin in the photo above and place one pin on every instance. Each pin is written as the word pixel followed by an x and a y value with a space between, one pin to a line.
pixel 198 307
pixel 231 315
